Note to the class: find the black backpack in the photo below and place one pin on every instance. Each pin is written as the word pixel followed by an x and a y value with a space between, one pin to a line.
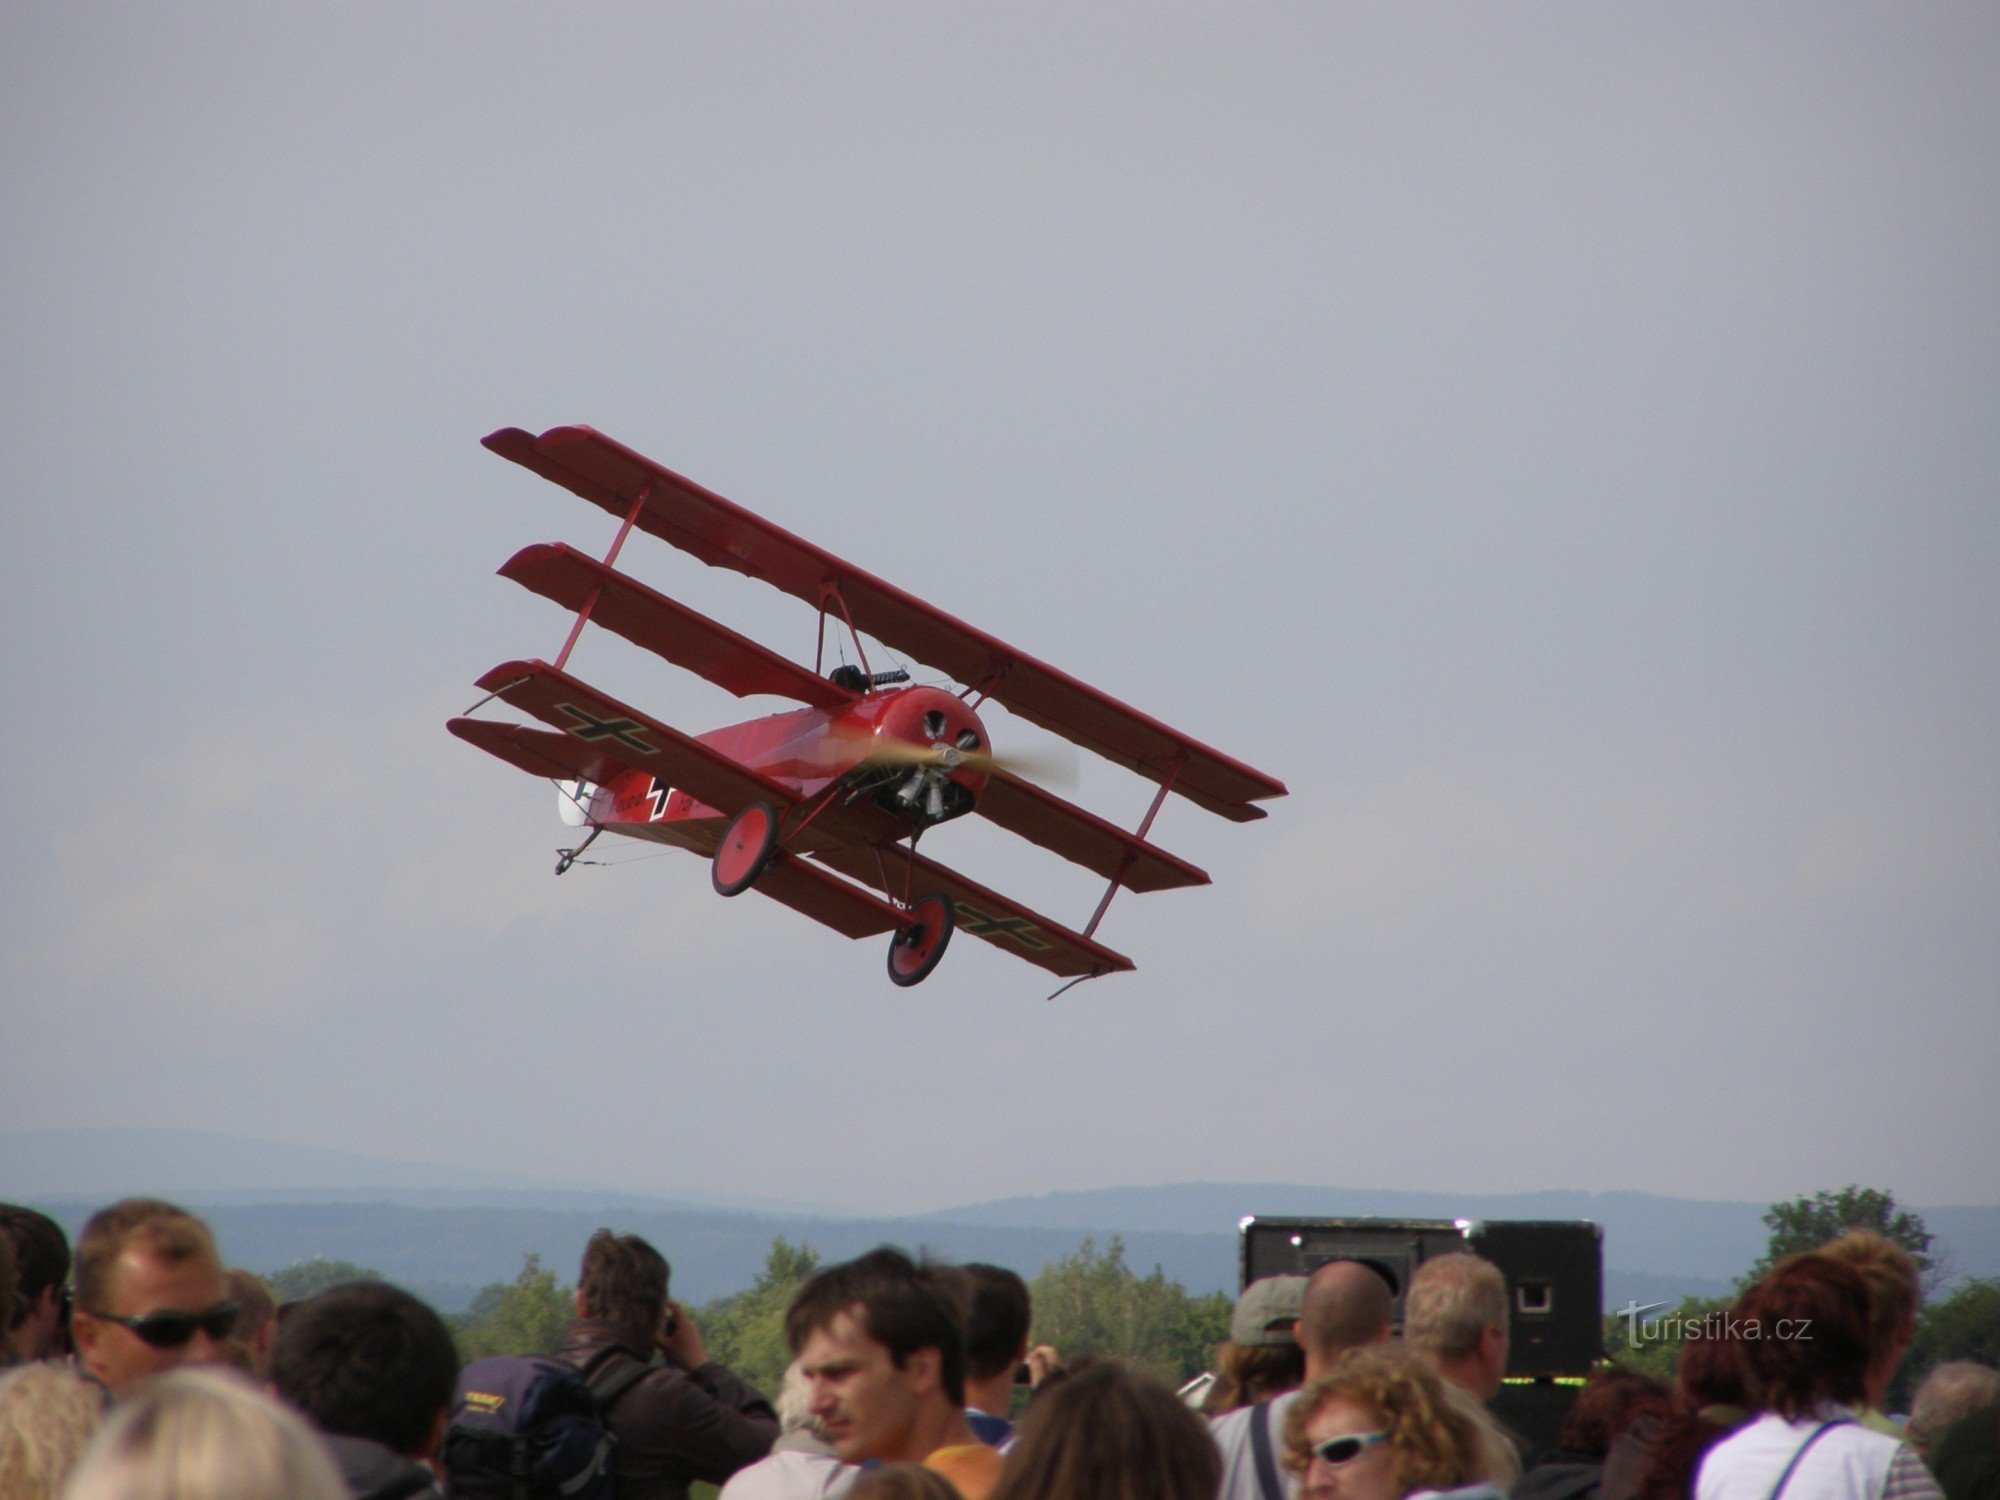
pixel 528 1428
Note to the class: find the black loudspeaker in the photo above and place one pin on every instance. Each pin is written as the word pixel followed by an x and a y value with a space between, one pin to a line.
pixel 1554 1272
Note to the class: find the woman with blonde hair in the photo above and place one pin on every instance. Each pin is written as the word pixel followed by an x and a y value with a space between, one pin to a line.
pixel 205 1432
pixel 1382 1425
pixel 47 1414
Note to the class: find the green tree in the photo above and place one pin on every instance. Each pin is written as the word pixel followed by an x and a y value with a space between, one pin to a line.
pixel 305 1277
pixel 1965 1325
pixel 746 1331
pixel 1808 1223
pixel 1093 1303
pixel 525 1316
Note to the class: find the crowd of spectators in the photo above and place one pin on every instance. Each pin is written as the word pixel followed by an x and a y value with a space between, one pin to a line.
pixel 143 1368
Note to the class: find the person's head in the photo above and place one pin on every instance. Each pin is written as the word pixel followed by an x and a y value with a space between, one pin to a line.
pixel 623 1279
pixel 1894 1289
pixel 883 1348
pixel 248 1347
pixel 1261 1357
pixel 901 1482
pixel 794 1407
pixel 150 1293
pixel 1612 1398
pixel 1455 1315
pixel 1347 1305
pixel 1805 1342
pixel 1953 1390
pixel 996 1322
pixel 47 1414
pixel 1106 1432
pixel 41 1266
pixel 208 1433
pixel 1378 1425
pixel 368 1360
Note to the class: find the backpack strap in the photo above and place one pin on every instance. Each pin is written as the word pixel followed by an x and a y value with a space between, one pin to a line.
pixel 613 1378
pixel 1817 1433
pixel 1268 1482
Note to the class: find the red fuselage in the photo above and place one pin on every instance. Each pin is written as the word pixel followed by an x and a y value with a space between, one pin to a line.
pixel 875 745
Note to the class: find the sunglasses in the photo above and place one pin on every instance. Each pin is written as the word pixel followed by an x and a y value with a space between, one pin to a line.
pixel 170 1330
pixel 1342 1450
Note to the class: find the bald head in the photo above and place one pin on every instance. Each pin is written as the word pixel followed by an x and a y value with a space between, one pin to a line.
pixel 1347 1305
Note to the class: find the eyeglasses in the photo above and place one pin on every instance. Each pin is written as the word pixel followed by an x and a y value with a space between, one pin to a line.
pixel 170 1330
pixel 1342 1450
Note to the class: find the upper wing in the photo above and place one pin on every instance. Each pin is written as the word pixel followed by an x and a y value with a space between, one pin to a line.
pixel 725 535
pixel 601 722
pixel 685 637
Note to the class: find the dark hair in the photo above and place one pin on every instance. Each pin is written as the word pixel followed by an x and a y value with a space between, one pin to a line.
pixel 900 1305
pixel 1107 1432
pixel 367 1360
pixel 1612 1398
pixel 1258 1371
pixel 41 1253
pixel 624 1279
pixel 1806 1335
pixel 996 1324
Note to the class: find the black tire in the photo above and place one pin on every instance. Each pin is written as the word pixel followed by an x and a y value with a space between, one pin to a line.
pixel 916 949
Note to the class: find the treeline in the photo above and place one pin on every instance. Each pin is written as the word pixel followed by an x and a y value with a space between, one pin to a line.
pixel 1090 1302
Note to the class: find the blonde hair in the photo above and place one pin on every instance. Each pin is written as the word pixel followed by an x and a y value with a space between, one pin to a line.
pixel 1435 1443
pixel 1452 1301
pixel 47 1414
pixel 170 1234
pixel 1955 1389
pixel 205 1432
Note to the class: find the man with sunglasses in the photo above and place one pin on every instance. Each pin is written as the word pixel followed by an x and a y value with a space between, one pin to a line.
pixel 150 1294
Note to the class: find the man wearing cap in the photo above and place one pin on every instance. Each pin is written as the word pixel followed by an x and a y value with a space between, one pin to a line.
pixel 150 1293
pixel 1343 1305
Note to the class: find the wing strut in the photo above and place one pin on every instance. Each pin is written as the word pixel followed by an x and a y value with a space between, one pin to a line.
pixel 590 599
pixel 1145 827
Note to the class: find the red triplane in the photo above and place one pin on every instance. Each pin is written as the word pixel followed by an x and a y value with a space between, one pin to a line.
pixel 821 807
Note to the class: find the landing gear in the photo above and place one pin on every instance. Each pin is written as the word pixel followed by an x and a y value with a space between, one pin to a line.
pixel 746 849
pixel 915 950
pixel 567 857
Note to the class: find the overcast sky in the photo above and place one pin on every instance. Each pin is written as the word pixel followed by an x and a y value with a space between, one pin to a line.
pixel 1560 441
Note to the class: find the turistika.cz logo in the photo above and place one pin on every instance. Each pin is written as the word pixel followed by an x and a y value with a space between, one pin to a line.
pixel 1721 1323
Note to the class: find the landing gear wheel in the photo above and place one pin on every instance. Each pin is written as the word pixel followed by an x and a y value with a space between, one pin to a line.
pixel 746 848
pixel 915 950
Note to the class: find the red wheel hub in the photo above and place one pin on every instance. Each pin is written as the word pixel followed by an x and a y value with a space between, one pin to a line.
pixel 746 848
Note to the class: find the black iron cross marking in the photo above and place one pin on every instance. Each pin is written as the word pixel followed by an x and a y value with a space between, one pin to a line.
pixel 971 919
pixel 657 794
pixel 589 727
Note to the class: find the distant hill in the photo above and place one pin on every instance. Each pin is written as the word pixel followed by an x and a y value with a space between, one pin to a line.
pixel 109 1163
pixel 445 1232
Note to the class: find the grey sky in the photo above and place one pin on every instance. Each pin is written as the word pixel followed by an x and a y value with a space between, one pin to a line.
pixel 1562 441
